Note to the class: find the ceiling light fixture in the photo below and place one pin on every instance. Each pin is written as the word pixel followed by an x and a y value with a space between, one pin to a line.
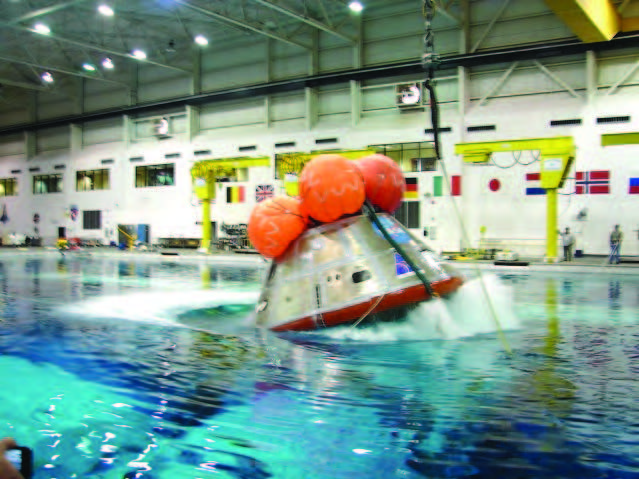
pixel 105 10
pixel 201 40
pixel 88 67
pixel 356 6
pixel 47 77
pixel 139 54
pixel 42 28
pixel 107 63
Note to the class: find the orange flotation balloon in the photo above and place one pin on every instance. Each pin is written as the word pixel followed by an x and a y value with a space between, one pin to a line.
pixel 384 181
pixel 275 223
pixel 330 187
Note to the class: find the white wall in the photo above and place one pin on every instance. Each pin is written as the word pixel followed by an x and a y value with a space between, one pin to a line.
pixel 507 214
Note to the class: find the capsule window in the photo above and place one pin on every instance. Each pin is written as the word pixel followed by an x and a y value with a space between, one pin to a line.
pixel 361 276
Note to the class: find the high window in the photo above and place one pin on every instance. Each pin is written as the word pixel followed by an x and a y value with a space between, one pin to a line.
pixel 92 220
pixel 155 175
pixel 44 184
pixel 91 180
pixel 8 187
pixel 408 214
pixel 410 156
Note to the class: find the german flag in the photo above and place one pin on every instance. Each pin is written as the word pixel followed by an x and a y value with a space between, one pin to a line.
pixel 411 192
pixel 235 194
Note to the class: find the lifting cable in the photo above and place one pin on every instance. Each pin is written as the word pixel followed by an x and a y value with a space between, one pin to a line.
pixel 370 211
pixel 430 62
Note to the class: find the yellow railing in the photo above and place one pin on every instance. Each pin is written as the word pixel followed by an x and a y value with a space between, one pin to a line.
pixel 130 239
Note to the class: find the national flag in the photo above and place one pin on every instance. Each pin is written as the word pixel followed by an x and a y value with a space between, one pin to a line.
pixel 411 192
pixel 263 192
pixel 593 182
pixel 533 184
pixel 235 194
pixel 455 185
pixel 633 186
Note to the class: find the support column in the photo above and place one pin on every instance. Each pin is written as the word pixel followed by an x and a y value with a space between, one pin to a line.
pixel 356 86
pixel 356 103
pixel 310 94
pixel 206 226
pixel 133 92
pixel 127 131
pixel 193 121
pixel 196 85
pixel 30 144
pixel 267 111
pixel 268 75
pixel 76 133
pixel 551 225
pixel 312 113
pixel 30 138
pixel 591 77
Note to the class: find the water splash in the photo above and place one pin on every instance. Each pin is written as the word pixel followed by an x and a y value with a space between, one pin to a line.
pixel 466 313
pixel 158 307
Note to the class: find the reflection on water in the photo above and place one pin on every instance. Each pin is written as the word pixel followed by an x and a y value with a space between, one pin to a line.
pixel 100 394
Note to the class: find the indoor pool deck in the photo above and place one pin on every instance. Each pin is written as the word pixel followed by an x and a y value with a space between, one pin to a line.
pixel 629 264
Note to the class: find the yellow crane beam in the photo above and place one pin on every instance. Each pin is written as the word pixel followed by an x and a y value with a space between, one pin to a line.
pixel 556 157
pixel 590 20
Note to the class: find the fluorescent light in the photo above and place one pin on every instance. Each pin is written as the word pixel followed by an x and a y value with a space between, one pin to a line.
pixel 201 40
pixel 139 54
pixel 47 77
pixel 356 6
pixel 42 28
pixel 88 67
pixel 107 63
pixel 105 10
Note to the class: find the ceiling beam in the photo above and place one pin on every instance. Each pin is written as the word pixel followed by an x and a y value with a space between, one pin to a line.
pixel 590 20
pixel 240 23
pixel 90 46
pixel 44 11
pixel 19 61
pixel 309 21
pixel 20 84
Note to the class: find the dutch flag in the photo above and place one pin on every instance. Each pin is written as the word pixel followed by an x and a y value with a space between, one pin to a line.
pixel 533 185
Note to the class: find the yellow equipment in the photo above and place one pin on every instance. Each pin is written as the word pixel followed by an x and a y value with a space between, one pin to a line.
pixel 205 174
pixel 557 155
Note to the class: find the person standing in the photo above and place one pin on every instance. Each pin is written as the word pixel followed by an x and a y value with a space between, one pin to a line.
pixel 616 237
pixel 568 241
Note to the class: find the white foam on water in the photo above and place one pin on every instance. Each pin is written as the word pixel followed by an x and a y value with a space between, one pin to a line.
pixel 158 307
pixel 465 313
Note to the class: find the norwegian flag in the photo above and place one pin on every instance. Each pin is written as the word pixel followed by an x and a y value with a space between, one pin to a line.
pixel 263 192
pixel 593 182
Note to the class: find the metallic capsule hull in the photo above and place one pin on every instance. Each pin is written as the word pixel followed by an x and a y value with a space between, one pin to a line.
pixel 340 272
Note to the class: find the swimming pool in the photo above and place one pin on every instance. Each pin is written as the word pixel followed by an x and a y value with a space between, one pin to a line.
pixel 107 371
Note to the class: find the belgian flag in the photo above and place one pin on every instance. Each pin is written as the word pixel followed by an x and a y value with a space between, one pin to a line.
pixel 235 194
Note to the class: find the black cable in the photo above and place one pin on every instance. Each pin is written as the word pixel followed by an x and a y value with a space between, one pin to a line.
pixel 370 211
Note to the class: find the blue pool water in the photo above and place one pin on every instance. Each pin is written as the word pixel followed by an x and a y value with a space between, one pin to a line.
pixel 139 369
